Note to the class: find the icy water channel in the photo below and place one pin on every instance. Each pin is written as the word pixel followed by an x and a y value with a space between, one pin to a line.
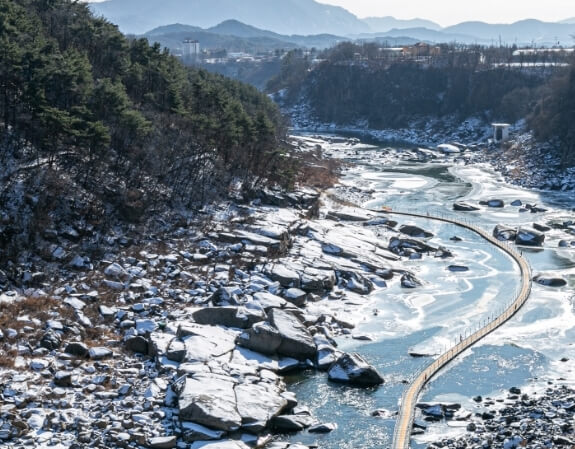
pixel 526 352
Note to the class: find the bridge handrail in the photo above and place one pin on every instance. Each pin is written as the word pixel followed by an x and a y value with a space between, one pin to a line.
pixel 405 420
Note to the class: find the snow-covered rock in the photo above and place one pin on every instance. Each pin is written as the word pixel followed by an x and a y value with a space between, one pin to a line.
pixel 354 370
pixel 296 341
pixel 210 401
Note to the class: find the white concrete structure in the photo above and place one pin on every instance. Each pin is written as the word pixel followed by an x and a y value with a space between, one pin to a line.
pixel 500 132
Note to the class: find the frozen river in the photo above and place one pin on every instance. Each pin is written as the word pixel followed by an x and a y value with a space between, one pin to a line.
pixel 529 351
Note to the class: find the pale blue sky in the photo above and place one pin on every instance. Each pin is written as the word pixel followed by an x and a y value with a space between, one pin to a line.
pixel 449 12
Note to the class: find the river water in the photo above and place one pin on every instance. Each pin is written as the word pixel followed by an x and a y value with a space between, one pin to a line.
pixel 526 352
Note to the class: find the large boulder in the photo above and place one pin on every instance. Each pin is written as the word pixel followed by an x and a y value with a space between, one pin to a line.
pixel 464 207
pixel 270 301
pixel 284 275
pixel 529 237
pixel 258 403
pixel 196 432
pixel 221 444
pixel 354 370
pixel 138 344
pixel 314 280
pixel 262 338
pixel 295 296
pixel 203 343
pixel 541 227
pixel 504 233
pixel 414 231
pixel 549 280
pixel 404 247
pixel 176 351
pixel 355 282
pixel 296 341
pixel 291 423
pixel 409 280
pixel 326 356
pixel 211 401
pixel 239 317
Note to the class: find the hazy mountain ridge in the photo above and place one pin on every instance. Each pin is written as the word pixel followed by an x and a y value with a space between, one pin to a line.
pixel 521 32
pixel 418 34
pixel 236 36
pixel 285 16
pixel 283 20
pixel 388 23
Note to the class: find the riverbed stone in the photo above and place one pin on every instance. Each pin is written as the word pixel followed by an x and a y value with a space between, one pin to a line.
pixel 408 280
pixel 196 432
pixel 504 233
pixel 291 423
pixel 315 280
pixel 167 442
pixel 415 231
pixel 99 353
pixel 239 317
pixel 77 349
pixel 541 227
pixel 404 247
pixel 287 277
pixel 464 207
pixel 296 341
pixel 257 403
pixel 457 268
pixel 210 401
pixel 138 344
pixel 322 428
pixel 269 301
pixel 353 369
pixel 221 444
pixel 550 280
pixel 262 337
pixel 529 237
pixel 295 296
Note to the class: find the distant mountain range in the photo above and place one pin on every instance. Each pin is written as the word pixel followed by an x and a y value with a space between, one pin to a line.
pixel 383 24
pixel 280 16
pixel 529 31
pixel 290 21
pixel 235 36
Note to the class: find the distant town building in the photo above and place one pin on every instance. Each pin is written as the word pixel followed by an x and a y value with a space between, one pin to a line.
pixel 391 52
pixel 190 50
pixel 421 49
pixel 500 132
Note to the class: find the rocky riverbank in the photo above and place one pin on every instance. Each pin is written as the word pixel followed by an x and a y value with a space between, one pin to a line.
pixel 522 160
pixel 181 340
pixel 540 419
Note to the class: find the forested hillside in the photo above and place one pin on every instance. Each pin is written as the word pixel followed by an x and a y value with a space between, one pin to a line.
pixel 554 115
pixel 363 84
pixel 88 114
